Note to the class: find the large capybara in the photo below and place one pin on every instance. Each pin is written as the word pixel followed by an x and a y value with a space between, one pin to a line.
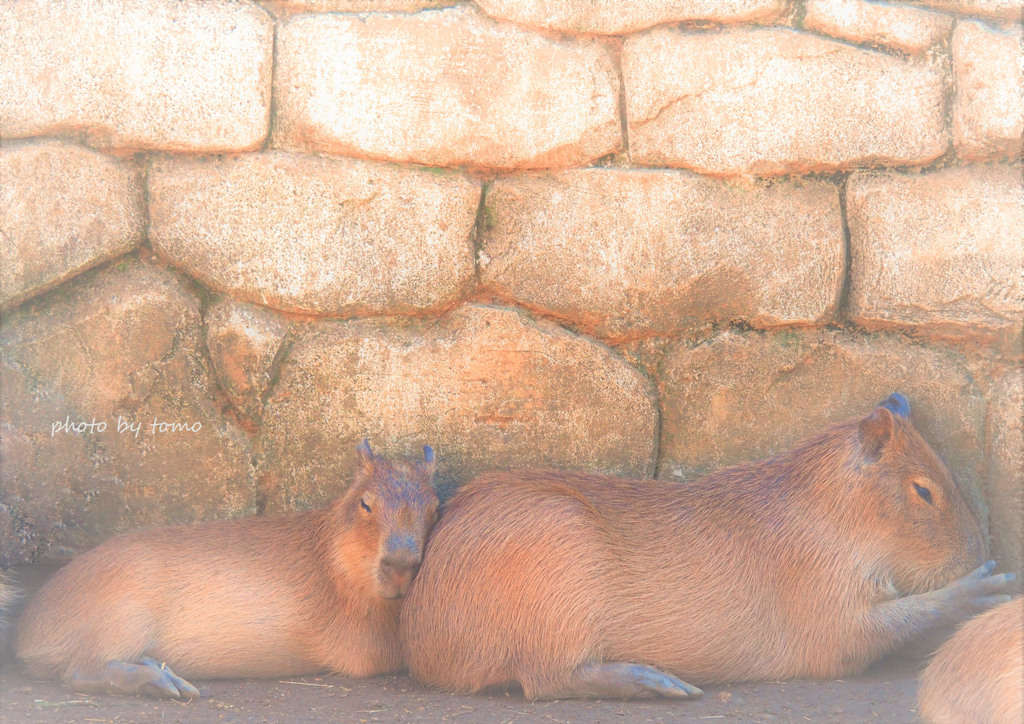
pixel 977 677
pixel 256 597
pixel 811 564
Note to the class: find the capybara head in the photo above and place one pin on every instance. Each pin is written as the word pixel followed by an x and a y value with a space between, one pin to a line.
pixel 388 512
pixel 916 508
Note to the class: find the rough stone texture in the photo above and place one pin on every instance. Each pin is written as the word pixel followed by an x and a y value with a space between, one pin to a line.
pixel 1006 9
pixel 623 253
pixel 244 340
pixel 119 342
pixel 1006 470
pixel 63 209
pixel 626 16
pixel 939 252
pixel 910 30
pixel 746 397
pixel 190 75
pixel 486 386
pixel 988 111
pixel 775 100
pixel 327 236
pixel 444 88
pixel 287 7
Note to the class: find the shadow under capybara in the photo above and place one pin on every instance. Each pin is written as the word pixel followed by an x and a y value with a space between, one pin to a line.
pixel 254 597
pixel 978 675
pixel 811 564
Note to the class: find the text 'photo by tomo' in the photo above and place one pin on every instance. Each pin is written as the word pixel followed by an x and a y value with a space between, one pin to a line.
pixel 506 361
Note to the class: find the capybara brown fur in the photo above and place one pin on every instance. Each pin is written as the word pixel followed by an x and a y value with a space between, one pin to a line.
pixel 977 677
pixel 811 564
pixel 255 597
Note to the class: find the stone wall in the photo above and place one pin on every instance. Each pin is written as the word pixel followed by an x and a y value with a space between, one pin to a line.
pixel 643 238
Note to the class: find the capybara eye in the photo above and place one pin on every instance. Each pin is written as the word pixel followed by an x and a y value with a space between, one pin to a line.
pixel 364 506
pixel 924 492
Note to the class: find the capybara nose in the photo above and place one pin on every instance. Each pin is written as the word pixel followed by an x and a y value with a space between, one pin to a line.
pixel 399 570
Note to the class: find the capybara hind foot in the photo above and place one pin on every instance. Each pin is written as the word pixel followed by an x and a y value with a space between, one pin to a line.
pixel 620 681
pixel 146 677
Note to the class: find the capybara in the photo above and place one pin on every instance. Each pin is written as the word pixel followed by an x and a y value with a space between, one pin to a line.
pixel 811 564
pixel 977 677
pixel 254 597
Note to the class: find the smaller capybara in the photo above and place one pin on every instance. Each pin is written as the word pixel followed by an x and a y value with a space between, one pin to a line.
pixel 811 564
pixel 977 677
pixel 255 597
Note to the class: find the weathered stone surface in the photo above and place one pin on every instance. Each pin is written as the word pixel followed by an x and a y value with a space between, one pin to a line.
pixel 939 252
pixel 1005 433
pixel 486 386
pixel 287 7
pixel 895 26
pixel 443 88
pixel 310 234
pixel 120 343
pixel 243 340
pixel 988 111
pixel 626 16
pixel 748 396
pixel 63 209
pixel 189 75
pixel 1006 9
pixel 775 100
pixel 624 253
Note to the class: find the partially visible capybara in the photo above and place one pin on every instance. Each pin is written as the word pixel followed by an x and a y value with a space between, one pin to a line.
pixel 811 564
pixel 977 677
pixel 244 598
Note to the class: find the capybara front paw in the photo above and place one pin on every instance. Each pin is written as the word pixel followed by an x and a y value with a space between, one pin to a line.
pixel 978 591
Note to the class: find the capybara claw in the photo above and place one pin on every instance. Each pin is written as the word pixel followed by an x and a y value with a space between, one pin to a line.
pixel 169 680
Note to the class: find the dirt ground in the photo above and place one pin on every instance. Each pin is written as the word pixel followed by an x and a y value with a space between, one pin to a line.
pixel 886 693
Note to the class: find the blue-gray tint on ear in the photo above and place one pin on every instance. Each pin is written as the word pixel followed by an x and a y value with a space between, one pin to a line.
pixel 364 448
pixel 428 453
pixel 898 405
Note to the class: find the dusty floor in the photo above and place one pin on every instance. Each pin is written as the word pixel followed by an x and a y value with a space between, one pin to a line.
pixel 886 693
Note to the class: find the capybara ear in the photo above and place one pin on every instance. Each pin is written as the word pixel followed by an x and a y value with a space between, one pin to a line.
pixel 365 454
pixel 898 405
pixel 875 431
pixel 428 461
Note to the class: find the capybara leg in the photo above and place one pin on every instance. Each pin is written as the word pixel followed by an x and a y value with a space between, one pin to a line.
pixel 620 681
pixel 911 619
pixel 120 677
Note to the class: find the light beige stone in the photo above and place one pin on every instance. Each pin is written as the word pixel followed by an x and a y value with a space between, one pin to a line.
pixel 1005 9
pixel 627 16
pixel 743 397
pixel 1005 432
pixel 625 253
pixel 177 75
pixel 988 111
pixel 244 340
pixel 940 252
pixel 444 88
pixel 486 386
pixel 283 8
pixel 319 235
pixel 774 100
pixel 908 29
pixel 122 343
pixel 63 209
